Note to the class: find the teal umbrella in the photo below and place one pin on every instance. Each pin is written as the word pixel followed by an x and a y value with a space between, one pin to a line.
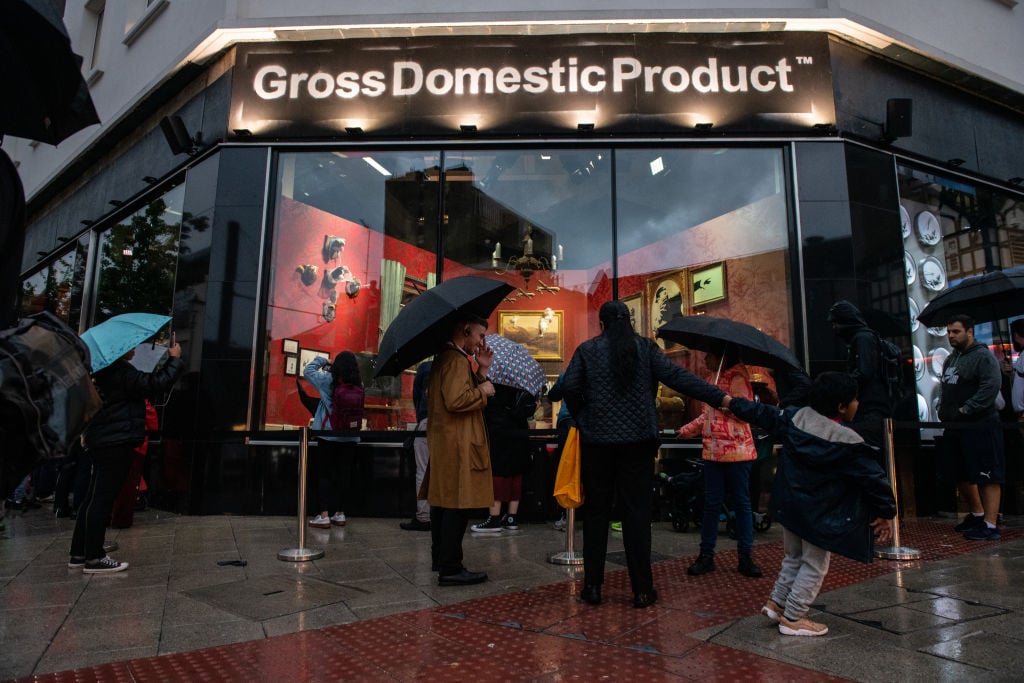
pixel 115 337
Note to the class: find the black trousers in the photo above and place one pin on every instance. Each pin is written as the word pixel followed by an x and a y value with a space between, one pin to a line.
pixel 109 470
pixel 626 472
pixel 447 528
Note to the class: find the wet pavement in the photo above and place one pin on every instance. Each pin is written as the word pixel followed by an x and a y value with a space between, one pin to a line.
pixel 206 598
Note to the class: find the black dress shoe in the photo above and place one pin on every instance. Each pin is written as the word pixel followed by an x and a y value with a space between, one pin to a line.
pixel 705 563
pixel 645 600
pixel 463 578
pixel 748 568
pixel 415 525
pixel 591 595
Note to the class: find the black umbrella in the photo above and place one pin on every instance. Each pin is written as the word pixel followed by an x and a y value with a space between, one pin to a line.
pixel 705 333
pixel 311 402
pixel 425 323
pixel 46 98
pixel 988 297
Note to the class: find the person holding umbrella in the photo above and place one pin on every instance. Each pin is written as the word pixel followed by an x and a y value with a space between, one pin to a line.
pixel 728 456
pixel 118 428
pixel 459 478
pixel 610 385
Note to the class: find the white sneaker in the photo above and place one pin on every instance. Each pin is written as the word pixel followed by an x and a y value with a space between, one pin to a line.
pixel 801 627
pixel 320 522
pixel 338 519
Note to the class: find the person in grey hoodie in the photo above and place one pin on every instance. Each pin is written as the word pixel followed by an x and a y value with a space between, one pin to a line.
pixel 970 381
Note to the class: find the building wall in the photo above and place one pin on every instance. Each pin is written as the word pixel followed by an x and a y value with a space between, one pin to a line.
pixel 981 37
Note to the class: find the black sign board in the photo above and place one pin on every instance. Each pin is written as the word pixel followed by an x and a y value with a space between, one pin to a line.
pixel 525 85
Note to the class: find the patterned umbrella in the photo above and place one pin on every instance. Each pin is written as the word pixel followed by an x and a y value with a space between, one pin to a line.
pixel 514 366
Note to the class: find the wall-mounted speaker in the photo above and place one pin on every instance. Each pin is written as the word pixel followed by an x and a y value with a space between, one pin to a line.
pixel 176 134
pixel 899 118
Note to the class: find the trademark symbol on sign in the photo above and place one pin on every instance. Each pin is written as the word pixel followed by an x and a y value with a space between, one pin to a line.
pixel 805 60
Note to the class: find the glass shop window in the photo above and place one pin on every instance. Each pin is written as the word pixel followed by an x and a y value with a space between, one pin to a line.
pixel 138 259
pixel 541 220
pixel 57 287
pixel 355 235
pixel 703 231
pixel 951 230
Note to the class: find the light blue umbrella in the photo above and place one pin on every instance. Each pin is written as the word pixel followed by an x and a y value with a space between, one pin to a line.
pixel 113 338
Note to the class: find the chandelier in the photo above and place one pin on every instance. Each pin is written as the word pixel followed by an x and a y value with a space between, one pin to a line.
pixel 527 264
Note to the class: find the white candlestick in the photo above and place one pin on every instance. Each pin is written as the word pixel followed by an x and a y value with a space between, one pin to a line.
pixel 497 250
pixel 560 251
pixel 554 262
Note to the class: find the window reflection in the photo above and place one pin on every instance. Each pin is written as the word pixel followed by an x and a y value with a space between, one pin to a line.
pixel 540 220
pixel 57 288
pixel 702 231
pixel 139 258
pixel 355 238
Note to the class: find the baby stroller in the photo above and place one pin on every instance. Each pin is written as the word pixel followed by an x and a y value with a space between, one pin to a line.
pixel 683 496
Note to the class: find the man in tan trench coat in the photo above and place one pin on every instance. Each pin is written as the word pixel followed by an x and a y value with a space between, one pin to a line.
pixel 460 462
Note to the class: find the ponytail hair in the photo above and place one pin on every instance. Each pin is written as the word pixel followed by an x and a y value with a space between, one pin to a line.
pixel 618 330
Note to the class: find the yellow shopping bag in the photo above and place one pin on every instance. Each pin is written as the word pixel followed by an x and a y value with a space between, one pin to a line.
pixel 568 489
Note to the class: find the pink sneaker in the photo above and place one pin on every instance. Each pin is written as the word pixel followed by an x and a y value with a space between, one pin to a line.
pixel 772 611
pixel 801 627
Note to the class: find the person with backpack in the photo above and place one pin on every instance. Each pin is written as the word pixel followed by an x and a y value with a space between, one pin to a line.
pixel 340 410
pixel 866 364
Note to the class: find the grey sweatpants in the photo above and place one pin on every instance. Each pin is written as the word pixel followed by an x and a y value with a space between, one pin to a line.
pixel 419 448
pixel 801 575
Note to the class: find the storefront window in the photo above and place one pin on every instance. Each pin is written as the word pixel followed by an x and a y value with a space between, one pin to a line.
pixel 702 231
pixel 952 230
pixel 355 237
pixel 139 259
pixel 57 288
pixel 542 221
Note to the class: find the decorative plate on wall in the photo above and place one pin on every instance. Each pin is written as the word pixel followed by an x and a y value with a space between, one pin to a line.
pixel 938 356
pixel 909 267
pixel 918 364
pixel 914 310
pixel 937 331
pixel 904 222
pixel 922 408
pixel 929 231
pixel 933 275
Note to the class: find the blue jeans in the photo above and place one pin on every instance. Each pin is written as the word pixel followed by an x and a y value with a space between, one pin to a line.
pixel 734 476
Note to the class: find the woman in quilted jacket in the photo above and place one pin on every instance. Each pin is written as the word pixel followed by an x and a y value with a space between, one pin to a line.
pixel 728 455
pixel 610 386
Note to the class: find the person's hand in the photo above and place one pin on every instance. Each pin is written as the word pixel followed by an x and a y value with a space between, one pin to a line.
pixel 174 351
pixel 724 405
pixel 883 529
pixel 487 388
pixel 484 357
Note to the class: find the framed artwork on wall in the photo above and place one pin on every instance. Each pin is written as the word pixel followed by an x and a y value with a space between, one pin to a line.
pixel 666 300
pixel 291 365
pixel 306 355
pixel 635 304
pixel 290 346
pixel 708 284
pixel 539 331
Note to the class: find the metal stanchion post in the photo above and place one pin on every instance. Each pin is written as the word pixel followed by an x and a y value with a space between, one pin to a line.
pixel 569 556
pixel 302 553
pixel 896 551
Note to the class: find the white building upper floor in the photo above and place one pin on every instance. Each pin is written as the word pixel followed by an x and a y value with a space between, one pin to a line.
pixel 131 48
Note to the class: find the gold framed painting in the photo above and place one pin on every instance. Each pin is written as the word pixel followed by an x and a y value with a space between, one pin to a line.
pixel 635 304
pixel 666 299
pixel 541 332
pixel 708 284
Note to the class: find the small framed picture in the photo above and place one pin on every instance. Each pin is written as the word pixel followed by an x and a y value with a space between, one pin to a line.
pixel 307 355
pixel 291 365
pixel 708 284
pixel 290 346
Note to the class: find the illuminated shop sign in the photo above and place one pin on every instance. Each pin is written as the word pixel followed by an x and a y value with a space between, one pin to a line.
pixel 548 84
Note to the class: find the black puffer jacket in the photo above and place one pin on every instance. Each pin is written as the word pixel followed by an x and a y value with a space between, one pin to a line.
pixel 828 486
pixel 508 412
pixel 124 390
pixel 606 414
